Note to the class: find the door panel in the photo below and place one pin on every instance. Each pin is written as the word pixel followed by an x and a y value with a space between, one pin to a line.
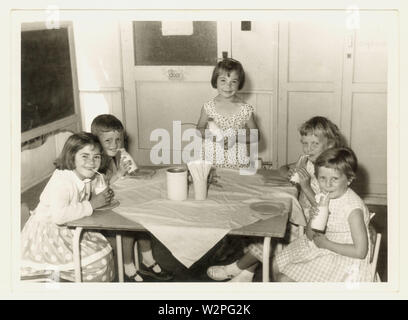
pixel 369 141
pixel 257 60
pixel 313 58
pixel 157 95
pixel 310 75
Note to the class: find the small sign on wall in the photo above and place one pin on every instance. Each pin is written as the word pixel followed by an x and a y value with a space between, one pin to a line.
pixel 177 28
pixel 175 74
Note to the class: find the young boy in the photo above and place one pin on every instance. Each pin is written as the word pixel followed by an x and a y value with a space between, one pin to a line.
pixel 110 132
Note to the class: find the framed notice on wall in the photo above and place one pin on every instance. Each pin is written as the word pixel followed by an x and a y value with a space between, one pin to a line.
pixel 49 88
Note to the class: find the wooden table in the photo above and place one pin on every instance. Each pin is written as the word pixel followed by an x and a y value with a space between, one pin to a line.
pixel 274 227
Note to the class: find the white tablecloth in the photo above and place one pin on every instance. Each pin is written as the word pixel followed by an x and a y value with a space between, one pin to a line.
pixel 190 228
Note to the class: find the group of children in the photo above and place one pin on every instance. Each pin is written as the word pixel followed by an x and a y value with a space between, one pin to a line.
pixel 70 195
pixel 339 254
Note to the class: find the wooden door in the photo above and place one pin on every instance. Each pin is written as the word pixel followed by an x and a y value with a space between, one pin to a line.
pixel 156 95
pixel 310 79
pixel 364 110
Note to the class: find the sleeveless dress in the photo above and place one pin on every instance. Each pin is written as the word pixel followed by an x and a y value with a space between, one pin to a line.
pixel 303 261
pixel 236 156
pixel 46 244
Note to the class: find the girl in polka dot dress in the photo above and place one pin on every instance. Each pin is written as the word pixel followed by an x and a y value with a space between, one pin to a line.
pixel 46 243
pixel 231 117
pixel 341 253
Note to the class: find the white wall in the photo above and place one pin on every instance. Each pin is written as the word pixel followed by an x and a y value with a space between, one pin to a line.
pixel 98 58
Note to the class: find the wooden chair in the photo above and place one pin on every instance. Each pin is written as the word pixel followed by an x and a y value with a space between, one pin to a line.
pixel 375 239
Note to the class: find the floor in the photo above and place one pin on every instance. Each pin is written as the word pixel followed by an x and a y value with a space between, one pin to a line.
pixel 197 272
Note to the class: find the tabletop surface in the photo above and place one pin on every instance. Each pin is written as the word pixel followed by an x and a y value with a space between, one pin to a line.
pixel 109 220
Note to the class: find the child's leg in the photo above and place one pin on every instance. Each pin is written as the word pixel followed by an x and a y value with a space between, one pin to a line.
pixel 149 266
pixel 127 247
pixel 247 262
pixel 128 242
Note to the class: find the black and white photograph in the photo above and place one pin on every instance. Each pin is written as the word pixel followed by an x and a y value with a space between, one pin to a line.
pixel 205 152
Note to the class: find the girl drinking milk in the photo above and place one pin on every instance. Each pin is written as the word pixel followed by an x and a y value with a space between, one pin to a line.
pixel 340 254
pixel 316 135
pixel 225 115
pixel 46 243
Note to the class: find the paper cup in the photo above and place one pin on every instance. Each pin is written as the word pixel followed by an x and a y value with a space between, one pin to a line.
pixel 320 220
pixel 200 189
pixel 176 184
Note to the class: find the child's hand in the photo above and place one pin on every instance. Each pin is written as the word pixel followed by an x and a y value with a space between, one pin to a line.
pixel 320 240
pixel 291 172
pixel 314 211
pixel 102 199
pixel 304 178
pixel 124 166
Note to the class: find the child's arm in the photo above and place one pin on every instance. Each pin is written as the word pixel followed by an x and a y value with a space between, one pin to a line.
pixel 286 170
pixel 57 198
pixel 64 210
pixel 359 248
pixel 122 170
pixel 251 124
pixel 304 182
pixel 202 122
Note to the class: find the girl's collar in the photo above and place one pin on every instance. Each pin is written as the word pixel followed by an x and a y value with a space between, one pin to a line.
pixel 224 116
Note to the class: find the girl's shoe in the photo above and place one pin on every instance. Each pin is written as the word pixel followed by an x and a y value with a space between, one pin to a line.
pixel 137 277
pixel 148 271
pixel 244 276
pixel 219 273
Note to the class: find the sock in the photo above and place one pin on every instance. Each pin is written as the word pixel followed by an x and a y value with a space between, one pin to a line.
pixel 244 276
pixel 130 269
pixel 148 260
pixel 233 268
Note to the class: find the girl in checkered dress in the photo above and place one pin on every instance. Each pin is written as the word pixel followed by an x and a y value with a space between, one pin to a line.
pixel 316 135
pixel 341 253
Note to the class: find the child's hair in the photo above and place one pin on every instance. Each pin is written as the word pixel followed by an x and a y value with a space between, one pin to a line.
pixel 228 65
pixel 341 159
pixel 106 123
pixel 325 127
pixel 74 143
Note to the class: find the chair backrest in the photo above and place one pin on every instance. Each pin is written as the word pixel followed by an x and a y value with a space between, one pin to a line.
pixel 375 239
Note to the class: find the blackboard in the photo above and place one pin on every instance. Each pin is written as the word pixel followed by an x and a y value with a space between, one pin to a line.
pixel 47 90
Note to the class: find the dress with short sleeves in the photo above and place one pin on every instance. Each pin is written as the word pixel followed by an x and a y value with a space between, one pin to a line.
pixel 303 261
pixel 236 156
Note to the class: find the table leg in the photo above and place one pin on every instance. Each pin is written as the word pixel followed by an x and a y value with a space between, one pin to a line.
pixel 265 260
pixel 136 252
pixel 120 257
pixel 77 253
